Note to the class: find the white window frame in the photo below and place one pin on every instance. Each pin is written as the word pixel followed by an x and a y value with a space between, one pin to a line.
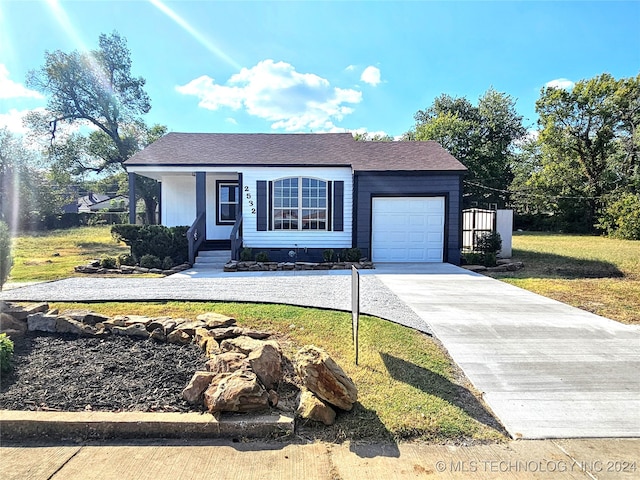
pixel 301 208
pixel 219 185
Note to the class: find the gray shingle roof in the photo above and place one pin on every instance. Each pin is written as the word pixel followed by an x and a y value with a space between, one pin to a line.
pixel 270 149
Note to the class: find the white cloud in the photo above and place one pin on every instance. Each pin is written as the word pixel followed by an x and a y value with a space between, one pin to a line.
pixel 350 68
pixel 231 120
pixel 12 121
pixel 11 89
pixel 276 92
pixel 371 75
pixel 562 83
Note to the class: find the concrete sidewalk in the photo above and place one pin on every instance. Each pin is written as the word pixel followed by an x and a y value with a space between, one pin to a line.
pixel 546 369
pixel 222 460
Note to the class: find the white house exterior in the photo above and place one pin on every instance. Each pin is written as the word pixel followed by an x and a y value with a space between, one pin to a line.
pixel 396 201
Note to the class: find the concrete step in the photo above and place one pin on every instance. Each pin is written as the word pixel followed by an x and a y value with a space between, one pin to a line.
pixel 212 258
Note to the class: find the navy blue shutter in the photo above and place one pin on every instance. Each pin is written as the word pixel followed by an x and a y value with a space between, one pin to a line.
pixel 338 206
pixel 261 205
pixel 329 205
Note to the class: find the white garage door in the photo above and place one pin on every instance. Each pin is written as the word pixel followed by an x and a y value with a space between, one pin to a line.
pixel 408 229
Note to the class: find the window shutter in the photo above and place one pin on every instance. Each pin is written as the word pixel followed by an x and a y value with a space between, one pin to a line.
pixel 261 206
pixel 338 206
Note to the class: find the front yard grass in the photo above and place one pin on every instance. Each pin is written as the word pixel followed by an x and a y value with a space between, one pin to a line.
pixel 408 386
pixel 52 255
pixel 598 274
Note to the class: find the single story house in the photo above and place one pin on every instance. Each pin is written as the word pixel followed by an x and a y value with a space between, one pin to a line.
pixel 297 195
pixel 97 202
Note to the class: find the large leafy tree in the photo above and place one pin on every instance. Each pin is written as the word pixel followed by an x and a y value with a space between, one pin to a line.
pixel 483 137
pixel 27 194
pixel 98 90
pixel 589 146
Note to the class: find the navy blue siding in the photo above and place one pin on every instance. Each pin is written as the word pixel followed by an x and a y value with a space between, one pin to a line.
pixel 384 184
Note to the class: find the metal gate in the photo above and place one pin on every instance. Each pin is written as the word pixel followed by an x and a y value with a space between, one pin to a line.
pixel 475 222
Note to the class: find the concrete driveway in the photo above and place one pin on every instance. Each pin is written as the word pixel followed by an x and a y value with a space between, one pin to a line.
pixel 547 370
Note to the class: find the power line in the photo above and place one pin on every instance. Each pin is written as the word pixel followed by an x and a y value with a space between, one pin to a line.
pixel 528 194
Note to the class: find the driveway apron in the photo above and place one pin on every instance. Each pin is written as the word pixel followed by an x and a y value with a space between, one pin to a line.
pixel 546 369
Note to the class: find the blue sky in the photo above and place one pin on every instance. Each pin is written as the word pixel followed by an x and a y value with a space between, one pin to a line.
pixel 322 66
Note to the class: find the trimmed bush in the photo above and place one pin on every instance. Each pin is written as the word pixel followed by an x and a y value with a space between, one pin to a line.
pixel 167 263
pixel 150 261
pixel 156 240
pixel 246 254
pixel 351 254
pixel 328 254
pixel 6 352
pixel 108 262
pixel 262 257
pixel 125 259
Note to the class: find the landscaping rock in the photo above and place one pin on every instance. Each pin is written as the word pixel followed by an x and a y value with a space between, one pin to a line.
pixel 66 324
pixel 189 327
pixel 39 322
pixel 236 392
pixel 216 320
pixel 8 322
pixel 158 335
pixel 136 330
pixel 311 407
pixel 201 336
pixel 85 316
pixel 137 319
pixel 273 398
pixel 244 344
pixel 21 313
pixel 179 337
pixel 167 324
pixel 324 377
pixel 194 391
pixel 475 268
pixel 228 332
pixel 228 362
pixel 266 363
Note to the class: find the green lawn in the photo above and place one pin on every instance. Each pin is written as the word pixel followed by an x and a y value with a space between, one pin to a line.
pixel 598 274
pixel 52 255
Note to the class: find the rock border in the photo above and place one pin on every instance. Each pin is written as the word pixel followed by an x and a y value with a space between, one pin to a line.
pixel 93 267
pixel 253 266
pixel 245 367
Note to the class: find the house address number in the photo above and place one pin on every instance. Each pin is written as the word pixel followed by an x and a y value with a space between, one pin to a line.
pixel 247 194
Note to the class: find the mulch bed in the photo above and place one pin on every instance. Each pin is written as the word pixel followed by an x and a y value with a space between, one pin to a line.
pixel 70 373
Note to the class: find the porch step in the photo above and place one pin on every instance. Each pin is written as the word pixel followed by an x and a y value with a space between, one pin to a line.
pixel 212 259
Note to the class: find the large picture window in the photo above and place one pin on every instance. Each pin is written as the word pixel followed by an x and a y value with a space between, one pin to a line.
pixel 299 203
pixel 228 195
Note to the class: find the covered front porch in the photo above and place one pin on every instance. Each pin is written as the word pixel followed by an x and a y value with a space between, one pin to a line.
pixel 207 201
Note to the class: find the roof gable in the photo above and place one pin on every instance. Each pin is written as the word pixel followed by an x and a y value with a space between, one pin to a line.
pixel 265 149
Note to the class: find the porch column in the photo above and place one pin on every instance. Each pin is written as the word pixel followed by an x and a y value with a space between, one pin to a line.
pixel 132 198
pixel 201 194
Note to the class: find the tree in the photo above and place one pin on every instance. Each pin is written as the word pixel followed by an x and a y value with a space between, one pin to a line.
pixel 6 260
pixel 95 89
pixel 27 196
pixel 589 138
pixel 482 137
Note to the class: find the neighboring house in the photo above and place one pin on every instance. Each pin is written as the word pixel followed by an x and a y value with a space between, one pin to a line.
pixel 296 195
pixel 119 203
pixel 97 202
pixel 84 204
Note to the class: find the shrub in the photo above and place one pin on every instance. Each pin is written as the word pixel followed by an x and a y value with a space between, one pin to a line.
pixel 246 254
pixel 262 257
pixel 351 254
pixel 328 254
pixel 108 262
pixel 156 240
pixel 125 259
pixel 489 242
pixel 167 263
pixel 621 218
pixel 150 261
pixel 6 352
pixel 6 261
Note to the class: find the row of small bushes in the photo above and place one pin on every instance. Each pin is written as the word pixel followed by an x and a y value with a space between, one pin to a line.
pixel 329 255
pixel 146 261
pixel 157 245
